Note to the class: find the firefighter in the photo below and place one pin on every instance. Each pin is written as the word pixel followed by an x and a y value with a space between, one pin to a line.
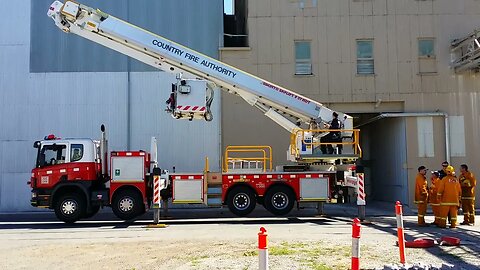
pixel 442 171
pixel 448 194
pixel 333 136
pixel 421 195
pixel 467 182
pixel 432 196
pixel 442 174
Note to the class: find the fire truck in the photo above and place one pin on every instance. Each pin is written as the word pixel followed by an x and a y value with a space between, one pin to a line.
pixel 76 177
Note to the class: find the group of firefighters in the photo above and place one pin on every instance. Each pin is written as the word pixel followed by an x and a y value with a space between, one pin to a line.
pixel 446 194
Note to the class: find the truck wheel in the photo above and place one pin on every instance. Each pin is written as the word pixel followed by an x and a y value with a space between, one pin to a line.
pixel 241 201
pixel 127 204
pixel 279 200
pixel 70 207
pixel 92 211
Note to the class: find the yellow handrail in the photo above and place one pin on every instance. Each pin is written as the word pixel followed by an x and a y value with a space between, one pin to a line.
pixel 301 133
pixel 264 150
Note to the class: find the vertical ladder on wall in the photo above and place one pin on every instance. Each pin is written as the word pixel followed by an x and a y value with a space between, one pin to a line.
pixel 465 52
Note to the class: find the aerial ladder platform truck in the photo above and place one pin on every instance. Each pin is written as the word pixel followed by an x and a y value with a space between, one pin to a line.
pixel 76 177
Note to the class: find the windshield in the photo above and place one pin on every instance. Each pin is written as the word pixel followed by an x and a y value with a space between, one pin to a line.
pixel 51 155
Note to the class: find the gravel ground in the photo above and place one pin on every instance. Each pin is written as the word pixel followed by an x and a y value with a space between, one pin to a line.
pixel 227 243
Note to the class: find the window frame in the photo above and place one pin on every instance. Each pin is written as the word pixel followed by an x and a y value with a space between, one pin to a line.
pixel 372 59
pixel 434 55
pixel 303 61
pixel 51 147
pixel 75 146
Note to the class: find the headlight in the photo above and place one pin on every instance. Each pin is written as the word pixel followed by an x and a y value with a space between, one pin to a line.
pixel 34 194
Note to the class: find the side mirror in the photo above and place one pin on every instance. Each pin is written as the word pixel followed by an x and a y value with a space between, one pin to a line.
pixel 36 144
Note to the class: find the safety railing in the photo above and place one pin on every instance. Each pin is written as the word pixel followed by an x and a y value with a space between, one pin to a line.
pixel 312 138
pixel 248 158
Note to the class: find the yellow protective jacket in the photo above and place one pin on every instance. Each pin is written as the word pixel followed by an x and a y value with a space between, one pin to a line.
pixel 449 191
pixel 468 183
pixel 421 190
pixel 432 196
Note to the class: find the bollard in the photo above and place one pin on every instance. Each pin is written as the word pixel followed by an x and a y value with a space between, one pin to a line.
pixel 158 184
pixel 356 244
pixel 156 199
pixel 262 249
pixel 401 236
pixel 361 196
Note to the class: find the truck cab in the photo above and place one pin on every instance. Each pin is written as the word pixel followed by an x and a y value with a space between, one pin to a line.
pixel 55 151
pixel 66 166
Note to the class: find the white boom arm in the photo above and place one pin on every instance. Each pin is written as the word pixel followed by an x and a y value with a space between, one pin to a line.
pixel 274 101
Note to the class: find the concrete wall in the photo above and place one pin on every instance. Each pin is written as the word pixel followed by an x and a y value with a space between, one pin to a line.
pixel 37 99
pixel 333 26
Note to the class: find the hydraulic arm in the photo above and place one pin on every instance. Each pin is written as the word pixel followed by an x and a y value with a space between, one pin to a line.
pixel 285 107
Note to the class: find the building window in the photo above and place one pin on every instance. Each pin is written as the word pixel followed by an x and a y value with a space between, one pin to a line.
pixel 235 15
pixel 365 63
pixel 427 64
pixel 229 7
pixel 426 47
pixel 303 60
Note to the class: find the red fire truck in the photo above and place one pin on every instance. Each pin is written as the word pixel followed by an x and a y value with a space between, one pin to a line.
pixel 76 177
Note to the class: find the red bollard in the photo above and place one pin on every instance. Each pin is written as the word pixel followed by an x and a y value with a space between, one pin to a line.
pixel 262 249
pixel 356 244
pixel 401 236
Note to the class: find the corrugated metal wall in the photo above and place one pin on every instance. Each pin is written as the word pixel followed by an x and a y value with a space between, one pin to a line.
pixel 197 24
pixel 39 93
pixel 181 143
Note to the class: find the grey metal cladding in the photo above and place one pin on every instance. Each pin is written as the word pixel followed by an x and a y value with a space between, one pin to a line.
pixel 194 23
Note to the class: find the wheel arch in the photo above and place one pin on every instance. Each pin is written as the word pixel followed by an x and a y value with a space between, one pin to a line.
pixel 237 186
pixel 283 185
pixel 64 188
pixel 127 187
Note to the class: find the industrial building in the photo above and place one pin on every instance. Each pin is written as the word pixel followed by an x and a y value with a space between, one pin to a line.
pixel 405 69
pixel 55 83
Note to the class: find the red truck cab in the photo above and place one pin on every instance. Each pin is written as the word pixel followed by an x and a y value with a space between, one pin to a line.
pixel 66 173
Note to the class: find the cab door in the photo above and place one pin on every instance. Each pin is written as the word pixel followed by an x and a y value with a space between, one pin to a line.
pixel 51 164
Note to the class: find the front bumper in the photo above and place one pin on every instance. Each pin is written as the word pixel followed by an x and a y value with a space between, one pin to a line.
pixel 40 200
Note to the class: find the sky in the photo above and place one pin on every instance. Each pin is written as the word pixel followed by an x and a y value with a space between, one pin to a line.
pixel 228 6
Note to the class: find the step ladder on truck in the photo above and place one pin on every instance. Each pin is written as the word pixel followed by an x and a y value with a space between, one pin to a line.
pixel 76 177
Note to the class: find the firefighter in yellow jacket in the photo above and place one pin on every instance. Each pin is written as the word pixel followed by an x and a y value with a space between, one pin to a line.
pixel 432 196
pixel 449 193
pixel 421 194
pixel 468 183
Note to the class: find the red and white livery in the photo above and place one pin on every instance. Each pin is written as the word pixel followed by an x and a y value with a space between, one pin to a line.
pixel 76 177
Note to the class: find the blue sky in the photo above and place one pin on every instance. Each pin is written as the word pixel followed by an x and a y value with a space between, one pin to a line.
pixel 228 6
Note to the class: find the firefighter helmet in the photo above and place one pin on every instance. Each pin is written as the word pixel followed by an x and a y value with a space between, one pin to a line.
pixel 450 170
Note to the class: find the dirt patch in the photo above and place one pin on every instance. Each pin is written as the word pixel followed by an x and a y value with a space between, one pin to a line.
pixel 207 255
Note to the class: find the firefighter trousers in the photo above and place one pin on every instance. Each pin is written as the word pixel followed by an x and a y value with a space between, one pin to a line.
pixel 468 207
pixel 446 210
pixel 422 210
pixel 436 213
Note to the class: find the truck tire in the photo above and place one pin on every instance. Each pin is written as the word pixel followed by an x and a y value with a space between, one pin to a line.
pixel 91 211
pixel 279 200
pixel 70 207
pixel 241 201
pixel 127 204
